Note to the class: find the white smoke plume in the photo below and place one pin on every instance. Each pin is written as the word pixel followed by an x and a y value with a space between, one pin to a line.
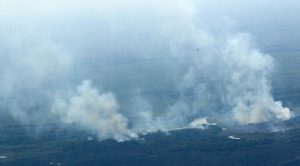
pixel 94 111
pixel 248 87
pixel 186 59
pixel 238 83
pixel 229 85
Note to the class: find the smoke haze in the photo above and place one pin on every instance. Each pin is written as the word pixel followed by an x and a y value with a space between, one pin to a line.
pixel 121 68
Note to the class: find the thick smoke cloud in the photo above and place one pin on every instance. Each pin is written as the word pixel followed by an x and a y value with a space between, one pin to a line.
pixel 163 65
pixel 94 111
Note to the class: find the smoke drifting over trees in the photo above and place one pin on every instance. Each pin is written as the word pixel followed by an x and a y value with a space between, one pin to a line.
pixel 121 68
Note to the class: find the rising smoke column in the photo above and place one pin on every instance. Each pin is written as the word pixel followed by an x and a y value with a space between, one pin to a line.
pixel 249 91
pixel 93 111
pixel 233 82
pixel 218 76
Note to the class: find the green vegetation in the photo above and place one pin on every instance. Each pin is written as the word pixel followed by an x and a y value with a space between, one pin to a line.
pixel 182 147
